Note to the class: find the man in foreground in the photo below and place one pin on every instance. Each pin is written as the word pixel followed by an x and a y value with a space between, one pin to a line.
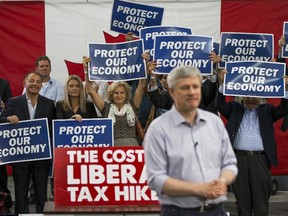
pixel 188 154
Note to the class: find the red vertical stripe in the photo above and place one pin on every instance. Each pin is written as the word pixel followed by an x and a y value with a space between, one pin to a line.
pixel 257 16
pixel 22 40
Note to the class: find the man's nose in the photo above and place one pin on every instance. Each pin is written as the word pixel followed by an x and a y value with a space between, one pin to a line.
pixel 35 83
pixel 191 90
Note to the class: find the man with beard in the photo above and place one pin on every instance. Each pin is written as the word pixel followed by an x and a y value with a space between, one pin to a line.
pixel 30 105
pixel 251 131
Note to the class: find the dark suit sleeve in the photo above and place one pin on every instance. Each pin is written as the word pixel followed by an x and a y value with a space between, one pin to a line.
pixel 284 125
pixel 283 60
pixel 7 112
pixel 221 105
pixel 7 92
pixel 163 101
pixel 51 116
pixel 209 91
pixel 91 110
pixel 59 114
pixel 281 110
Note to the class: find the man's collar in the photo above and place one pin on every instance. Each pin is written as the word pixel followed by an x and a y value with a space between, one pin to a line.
pixel 179 119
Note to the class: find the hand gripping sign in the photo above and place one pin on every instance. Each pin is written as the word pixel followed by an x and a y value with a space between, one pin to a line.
pixel 87 133
pixel 173 51
pixel 117 61
pixel 256 79
pixel 245 47
pixel 148 34
pixel 26 141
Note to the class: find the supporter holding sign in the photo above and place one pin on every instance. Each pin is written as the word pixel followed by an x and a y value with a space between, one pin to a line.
pixel 250 125
pixel 258 79
pixel 120 107
pixel 117 61
pixel 74 105
pixel 31 105
pixel 173 51
pixel 148 34
pixel 285 45
pixel 246 47
pixel 101 177
pixel 87 133
pixel 25 141
pixel 131 17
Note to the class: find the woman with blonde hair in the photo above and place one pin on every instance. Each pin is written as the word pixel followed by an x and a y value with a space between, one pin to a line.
pixel 74 104
pixel 120 107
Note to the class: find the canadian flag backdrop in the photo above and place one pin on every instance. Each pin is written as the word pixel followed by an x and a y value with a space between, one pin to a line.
pixel 61 30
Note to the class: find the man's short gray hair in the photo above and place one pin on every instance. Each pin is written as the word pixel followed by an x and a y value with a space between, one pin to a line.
pixel 181 72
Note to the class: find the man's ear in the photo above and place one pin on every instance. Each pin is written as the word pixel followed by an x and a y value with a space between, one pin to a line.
pixel 171 92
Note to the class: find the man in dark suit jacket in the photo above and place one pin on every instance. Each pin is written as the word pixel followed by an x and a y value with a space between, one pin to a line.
pixel 251 131
pixel 5 94
pixel 30 106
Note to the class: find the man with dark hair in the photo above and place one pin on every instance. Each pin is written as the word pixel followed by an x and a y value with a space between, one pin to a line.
pixel 30 105
pixel 52 89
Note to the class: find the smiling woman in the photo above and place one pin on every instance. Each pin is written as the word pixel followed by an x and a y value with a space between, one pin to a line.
pixel 121 108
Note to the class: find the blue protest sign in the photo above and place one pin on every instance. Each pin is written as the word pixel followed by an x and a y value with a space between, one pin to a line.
pixel 25 141
pixel 246 47
pixel 131 17
pixel 173 51
pixel 216 47
pixel 285 34
pixel 148 34
pixel 256 79
pixel 117 61
pixel 87 133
